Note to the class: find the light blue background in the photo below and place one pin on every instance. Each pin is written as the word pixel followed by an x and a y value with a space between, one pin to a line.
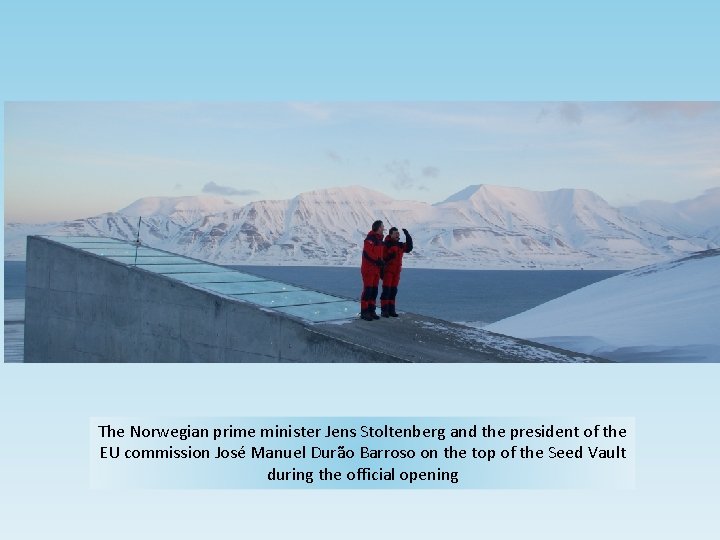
pixel 486 470
pixel 363 51
pixel 46 445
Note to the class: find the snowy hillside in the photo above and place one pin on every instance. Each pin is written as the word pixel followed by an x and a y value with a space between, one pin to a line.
pixel 479 227
pixel 664 312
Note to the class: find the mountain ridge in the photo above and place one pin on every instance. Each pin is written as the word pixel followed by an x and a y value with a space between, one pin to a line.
pixel 481 226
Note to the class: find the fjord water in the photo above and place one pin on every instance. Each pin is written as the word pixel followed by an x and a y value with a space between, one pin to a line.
pixel 470 296
pixel 14 280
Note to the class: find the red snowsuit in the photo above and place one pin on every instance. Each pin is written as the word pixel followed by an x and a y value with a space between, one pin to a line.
pixel 394 251
pixel 372 260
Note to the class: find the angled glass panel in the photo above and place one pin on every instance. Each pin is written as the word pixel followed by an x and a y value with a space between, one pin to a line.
pixel 99 244
pixel 334 311
pixel 121 251
pixel 248 287
pixel 216 277
pixel 290 298
pixel 85 239
pixel 179 268
pixel 153 260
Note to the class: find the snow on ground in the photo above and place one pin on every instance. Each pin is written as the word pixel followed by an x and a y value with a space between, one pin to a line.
pixel 665 312
pixel 501 345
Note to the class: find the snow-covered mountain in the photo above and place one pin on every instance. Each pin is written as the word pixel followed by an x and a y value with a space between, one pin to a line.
pixel 480 227
pixel 663 312
pixel 182 210
pixel 690 217
pixel 567 228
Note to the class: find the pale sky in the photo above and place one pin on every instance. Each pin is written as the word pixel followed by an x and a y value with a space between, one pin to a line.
pixel 75 160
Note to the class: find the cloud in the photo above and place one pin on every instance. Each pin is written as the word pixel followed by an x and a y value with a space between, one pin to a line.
pixel 567 112
pixel 212 187
pixel 405 178
pixel 333 156
pixel 400 170
pixel 314 111
pixel 655 110
pixel 571 113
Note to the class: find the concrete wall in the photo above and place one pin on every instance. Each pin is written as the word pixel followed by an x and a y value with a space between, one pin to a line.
pixel 84 308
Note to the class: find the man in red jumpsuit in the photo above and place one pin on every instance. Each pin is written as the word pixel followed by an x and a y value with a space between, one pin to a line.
pixel 394 251
pixel 372 263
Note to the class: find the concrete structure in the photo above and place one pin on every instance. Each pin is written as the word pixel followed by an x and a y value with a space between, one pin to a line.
pixel 103 300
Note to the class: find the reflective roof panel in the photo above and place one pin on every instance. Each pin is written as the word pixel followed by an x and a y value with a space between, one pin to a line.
pixel 216 277
pixel 73 240
pixel 333 311
pixel 180 268
pixel 248 287
pixel 120 251
pixel 311 306
pixel 290 298
pixel 152 260
pixel 98 245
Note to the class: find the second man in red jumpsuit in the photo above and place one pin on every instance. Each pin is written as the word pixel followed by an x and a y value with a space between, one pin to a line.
pixel 394 251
